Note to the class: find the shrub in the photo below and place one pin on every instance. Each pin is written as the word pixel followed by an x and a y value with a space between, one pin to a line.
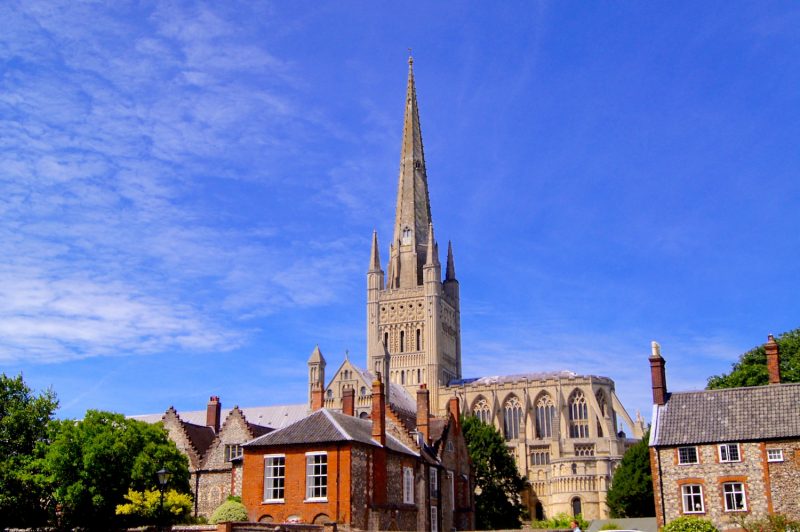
pixel 610 526
pixel 689 524
pixel 229 511
pixel 769 523
pixel 561 520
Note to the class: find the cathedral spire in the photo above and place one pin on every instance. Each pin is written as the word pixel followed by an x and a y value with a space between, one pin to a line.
pixel 413 214
pixel 450 274
pixel 374 256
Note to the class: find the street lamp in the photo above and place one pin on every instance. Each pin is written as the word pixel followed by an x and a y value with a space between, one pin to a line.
pixel 163 478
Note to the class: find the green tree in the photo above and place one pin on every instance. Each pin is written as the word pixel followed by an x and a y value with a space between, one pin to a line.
pixel 631 492
pixel 24 417
pixel 499 485
pixel 91 464
pixel 751 368
pixel 230 510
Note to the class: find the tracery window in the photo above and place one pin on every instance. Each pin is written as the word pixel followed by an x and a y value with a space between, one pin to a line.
pixel 545 412
pixel 512 413
pixel 481 411
pixel 578 415
pixel 601 402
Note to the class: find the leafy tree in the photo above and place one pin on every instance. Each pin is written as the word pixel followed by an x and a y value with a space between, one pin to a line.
pixel 631 492
pixel 144 507
pixel 751 369
pixel 689 524
pixel 24 417
pixel 230 510
pixel 91 465
pixel 559 521
pixel 497 500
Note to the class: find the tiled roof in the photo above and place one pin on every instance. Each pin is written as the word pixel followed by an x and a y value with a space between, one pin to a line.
pixel 399 397
pixel 728 415
pixel 327 426
pixel 273 417
pixel 201 436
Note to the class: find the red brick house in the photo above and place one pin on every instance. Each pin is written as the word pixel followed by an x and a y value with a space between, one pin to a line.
pixel 723 454
pixel 335 467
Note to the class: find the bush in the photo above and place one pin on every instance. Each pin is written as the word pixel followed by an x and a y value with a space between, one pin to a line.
pixel 690 524
pixel 561 520
pixel 229 511
pixel 769 523
pixel 610 526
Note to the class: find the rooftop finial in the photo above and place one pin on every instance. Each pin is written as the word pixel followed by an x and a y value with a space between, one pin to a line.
pixel 410 58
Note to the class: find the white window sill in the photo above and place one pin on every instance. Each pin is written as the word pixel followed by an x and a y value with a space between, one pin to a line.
pixel 273 501
pixel 316 499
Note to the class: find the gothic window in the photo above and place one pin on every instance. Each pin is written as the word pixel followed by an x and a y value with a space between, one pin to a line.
pixel 601 402
pixel 512 413
pixel 545 412
pixel 402 376
pixel 578 415
pixel 329 393
pixel 402 341
pixel 363 391
pixel 419 375
pixel 419 340
pixel 386 339
pixel 576 506
pixel 406 235
pixel 574 469
pixel 481 411
pixel 584 450
pixel 540 457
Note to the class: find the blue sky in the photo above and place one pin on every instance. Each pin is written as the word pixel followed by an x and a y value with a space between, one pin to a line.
pixel 188 190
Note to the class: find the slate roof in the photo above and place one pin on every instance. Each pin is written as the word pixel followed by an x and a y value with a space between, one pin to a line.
pixel 328 426
pixel 201 436
pixel 273 417
pixel 728 415
pixel 535 376
pixel 400 398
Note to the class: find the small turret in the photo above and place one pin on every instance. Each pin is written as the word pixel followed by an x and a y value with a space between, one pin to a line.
pixel 316 379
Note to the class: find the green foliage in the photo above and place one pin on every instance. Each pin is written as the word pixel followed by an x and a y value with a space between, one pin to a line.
pixel 91 465
pixel 610 526
pixel 751 369
pixel 689 524
pixel 24 417
pixel 229 511
pixel 497 499
pixel 631 492
pixel 768 523
pixel 144 507
pixel 562 520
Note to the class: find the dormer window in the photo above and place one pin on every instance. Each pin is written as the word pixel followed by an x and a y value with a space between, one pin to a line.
pixel 406 235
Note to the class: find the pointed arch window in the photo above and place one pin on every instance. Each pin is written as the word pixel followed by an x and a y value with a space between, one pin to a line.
pixel 386 340
pixel 601 402
pixel 402 341
pixel 406 235
pixel 482 411
pixel 578 415
pixel 545 412
pixel 419 339
pixel 512 413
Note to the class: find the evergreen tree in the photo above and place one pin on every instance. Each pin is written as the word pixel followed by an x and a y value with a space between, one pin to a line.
pixel 751 369
pixel 499 485
pixel 631 492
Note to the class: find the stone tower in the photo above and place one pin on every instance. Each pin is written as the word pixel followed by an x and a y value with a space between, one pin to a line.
pixel 413 318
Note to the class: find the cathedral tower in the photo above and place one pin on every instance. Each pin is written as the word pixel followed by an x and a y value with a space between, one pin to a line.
pixel 413 318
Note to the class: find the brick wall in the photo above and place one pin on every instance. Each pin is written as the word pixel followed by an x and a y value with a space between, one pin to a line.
pixel 336 507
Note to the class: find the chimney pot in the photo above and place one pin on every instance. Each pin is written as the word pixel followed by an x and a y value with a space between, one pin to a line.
pixel 213 413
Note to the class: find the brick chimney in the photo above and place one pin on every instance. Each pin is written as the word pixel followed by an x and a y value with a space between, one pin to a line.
pixel 317 396
pixel 378 412
pixel 773 360
pixel 213 413
pixel 423 412
pixel 349 401
pixel 658 376
pixel 453 407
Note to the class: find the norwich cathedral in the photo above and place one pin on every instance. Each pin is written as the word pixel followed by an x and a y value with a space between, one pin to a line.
pixel 563 428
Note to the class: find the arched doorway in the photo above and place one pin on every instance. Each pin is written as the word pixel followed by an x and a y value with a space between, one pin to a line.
pixel 576 506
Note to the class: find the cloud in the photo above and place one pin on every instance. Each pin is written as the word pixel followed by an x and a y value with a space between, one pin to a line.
pixel 119 125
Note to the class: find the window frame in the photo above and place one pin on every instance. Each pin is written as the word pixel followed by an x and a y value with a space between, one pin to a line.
pixel 777 455
pixel 312 474
pixel 282 488
pixel 696 455
pixel 228 451
pixel 724 452
pixel 733 493
pixel 434 481
pixel 408 485
pixel 699 494
pixel 434 519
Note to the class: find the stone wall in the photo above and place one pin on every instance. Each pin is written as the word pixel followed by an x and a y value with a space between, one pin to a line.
pixel 784 478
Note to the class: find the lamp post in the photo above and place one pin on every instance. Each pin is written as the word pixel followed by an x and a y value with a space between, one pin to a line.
pixel 163 479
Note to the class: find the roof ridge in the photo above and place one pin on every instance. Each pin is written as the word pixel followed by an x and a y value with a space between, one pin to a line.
pixel 726 390
pixel 336 424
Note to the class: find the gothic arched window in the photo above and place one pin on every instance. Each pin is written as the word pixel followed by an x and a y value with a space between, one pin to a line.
pixel 386 340
pixel 545 412
pixel 402 376
pixel 363 391
pixel 481 411
pixel 601 402
pixel 512 413
pixel 406 235
pixel 402 341
pixel 578 415
pixel 419 340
